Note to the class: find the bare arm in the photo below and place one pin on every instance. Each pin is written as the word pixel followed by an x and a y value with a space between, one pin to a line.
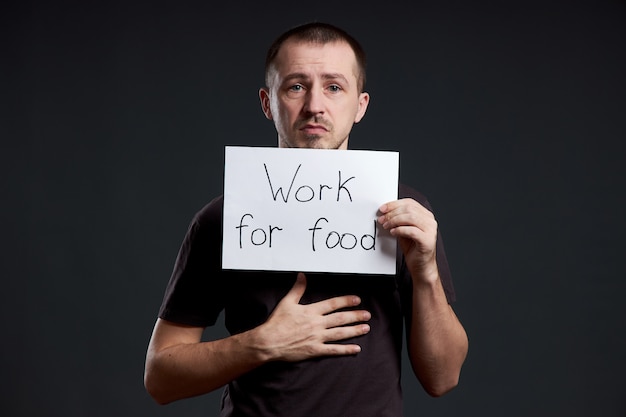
pixel 179 365
pixel 437 341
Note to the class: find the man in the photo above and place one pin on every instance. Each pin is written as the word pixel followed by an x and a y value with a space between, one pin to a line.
pixel 320 344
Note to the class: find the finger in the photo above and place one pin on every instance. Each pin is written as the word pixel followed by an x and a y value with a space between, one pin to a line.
pixel 325 307
pixel 412 233
pixel 338 349
pixel 424 220
pixel 297 290
pixel 403 205
pixel 343 318
pixel 393 205
pixel 342 333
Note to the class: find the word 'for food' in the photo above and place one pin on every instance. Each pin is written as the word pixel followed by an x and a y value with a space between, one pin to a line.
pixel 333 239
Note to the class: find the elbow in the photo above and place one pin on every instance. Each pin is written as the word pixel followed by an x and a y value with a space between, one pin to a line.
pixel 154 387
pixel 442 379
pixel 438 381
pixel 441 382
pixel 439 388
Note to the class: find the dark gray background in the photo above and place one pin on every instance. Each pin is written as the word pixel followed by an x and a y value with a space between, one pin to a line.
pixel 509 116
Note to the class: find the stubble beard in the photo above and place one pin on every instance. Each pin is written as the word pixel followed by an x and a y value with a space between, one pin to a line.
pixel 313 141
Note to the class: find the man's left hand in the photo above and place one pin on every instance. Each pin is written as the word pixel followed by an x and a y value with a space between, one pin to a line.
pixel 416 229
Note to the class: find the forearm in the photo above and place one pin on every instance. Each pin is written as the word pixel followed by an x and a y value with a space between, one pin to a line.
pixel 179 365
pixel 188 369
pixel 437 341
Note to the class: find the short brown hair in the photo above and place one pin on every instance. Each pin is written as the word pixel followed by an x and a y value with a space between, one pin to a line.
pixel 320 33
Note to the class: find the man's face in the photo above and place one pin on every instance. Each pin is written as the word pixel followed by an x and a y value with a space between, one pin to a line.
pixel 313 96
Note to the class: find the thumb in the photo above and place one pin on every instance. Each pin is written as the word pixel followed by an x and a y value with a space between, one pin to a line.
pixel 297 291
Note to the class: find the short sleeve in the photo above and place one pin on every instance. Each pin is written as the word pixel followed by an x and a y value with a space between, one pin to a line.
pixel 194 293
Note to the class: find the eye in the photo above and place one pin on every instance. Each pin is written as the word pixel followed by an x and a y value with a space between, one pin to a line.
pixel 296 88
pixel 334 88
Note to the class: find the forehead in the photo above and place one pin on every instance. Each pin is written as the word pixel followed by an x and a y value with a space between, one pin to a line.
pixel 315 58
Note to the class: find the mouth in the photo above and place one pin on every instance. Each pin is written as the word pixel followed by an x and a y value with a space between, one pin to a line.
pixel 310 129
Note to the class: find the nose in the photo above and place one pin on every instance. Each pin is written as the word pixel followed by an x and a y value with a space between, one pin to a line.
pixel 314 102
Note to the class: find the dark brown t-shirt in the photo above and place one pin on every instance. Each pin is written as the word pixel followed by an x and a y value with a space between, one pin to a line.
pixel 366 384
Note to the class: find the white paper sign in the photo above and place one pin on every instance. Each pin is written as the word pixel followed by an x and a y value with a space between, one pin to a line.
pixel 308 210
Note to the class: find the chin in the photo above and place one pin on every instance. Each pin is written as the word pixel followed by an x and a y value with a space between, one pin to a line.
pixel 313 143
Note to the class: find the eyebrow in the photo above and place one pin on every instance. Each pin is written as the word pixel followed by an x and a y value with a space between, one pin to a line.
pixel 325 76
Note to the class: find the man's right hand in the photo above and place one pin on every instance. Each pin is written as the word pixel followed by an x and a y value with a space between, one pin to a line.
pixel 295 331
pixel 180 365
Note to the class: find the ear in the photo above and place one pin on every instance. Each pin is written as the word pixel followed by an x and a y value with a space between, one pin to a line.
pixel 364 99
pixel 264 97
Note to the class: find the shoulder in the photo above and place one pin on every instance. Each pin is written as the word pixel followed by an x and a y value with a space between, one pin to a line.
pixel 211 213
pixel 206 222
